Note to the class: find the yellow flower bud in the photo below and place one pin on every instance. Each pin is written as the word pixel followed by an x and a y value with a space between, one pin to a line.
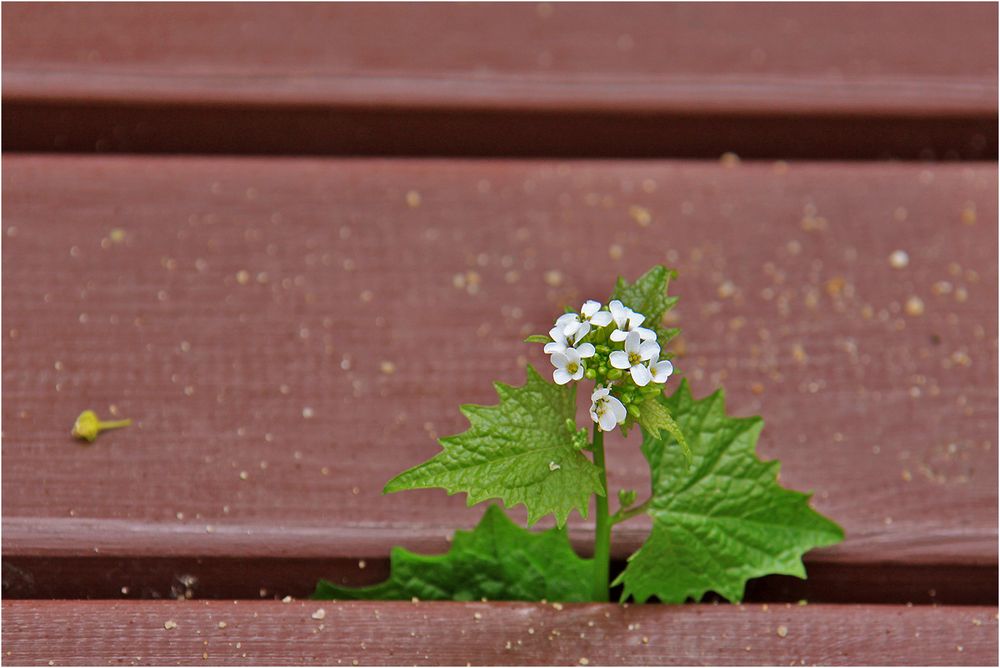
pixel 88 426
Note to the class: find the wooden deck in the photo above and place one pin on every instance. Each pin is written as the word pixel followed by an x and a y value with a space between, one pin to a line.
pixel 908 80
pixel 497 634
pixel 243 254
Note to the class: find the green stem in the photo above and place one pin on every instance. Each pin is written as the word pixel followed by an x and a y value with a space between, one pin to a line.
pixel 602 530
pixel 114 424
pixel 629 513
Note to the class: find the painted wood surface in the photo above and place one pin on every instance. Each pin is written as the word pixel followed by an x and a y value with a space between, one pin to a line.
pixel 458 634
pixel 872 81
pixel 801 58
pixel 288 334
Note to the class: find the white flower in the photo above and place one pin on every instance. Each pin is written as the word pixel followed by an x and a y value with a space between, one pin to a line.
pixel 560 344
pixel 660 371
pixel 627 320
pixel 605 409
pixel 569 364
pixel 636 352
pixel 577 326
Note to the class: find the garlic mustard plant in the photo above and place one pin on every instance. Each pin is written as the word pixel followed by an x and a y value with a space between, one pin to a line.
pixel 718 515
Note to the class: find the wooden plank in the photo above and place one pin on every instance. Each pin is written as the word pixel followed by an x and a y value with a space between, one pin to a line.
pixel 803 58
pixel 569 79
pixel 403 633
pixel 379 295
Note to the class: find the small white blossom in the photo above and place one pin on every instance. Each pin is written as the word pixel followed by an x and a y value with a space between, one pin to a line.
pixel 569 364
pixel 559 344
pixel 636 352
pixel 590 315
pixel 660 371
pixel 607 411
pixel 627 320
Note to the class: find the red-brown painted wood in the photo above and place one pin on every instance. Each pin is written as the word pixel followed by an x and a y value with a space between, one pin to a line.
pixel 404 633
pixel 908 80
pixel 799 58
pixel 312 325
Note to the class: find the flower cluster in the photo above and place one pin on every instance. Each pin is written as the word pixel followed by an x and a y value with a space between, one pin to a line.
pixel 611 347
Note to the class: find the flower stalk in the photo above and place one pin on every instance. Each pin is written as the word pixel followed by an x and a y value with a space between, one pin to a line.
pixel 88 426
pixel 602 525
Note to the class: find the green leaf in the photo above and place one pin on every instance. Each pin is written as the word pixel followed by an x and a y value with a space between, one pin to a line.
pixel 498 560
pixel 725 519
pixel 537 338
pixel 520 451
pixel 655 416
pixel 648 295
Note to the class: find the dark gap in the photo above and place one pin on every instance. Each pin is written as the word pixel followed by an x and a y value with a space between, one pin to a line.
pixel 260 578
pixel 69 127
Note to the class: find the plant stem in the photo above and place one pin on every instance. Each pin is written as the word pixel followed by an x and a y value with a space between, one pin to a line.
pixel 629 513
pixel 114 424
pixel 602 530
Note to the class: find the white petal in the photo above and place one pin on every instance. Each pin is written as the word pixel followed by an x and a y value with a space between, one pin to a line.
pixel 572 356
pixel 618 408
pixel 567 318
pixel 571 328
pixel 640 375
pixel 553 347
pixel 619 359
pixel 579 372
pixel 589 308
pixel 600 393
pixel 661 371
pixel 561 376
pixel 593 414
pixel 601 319
pixel 646 334
pixel 608 421
pixel 556 334
pixel 635 319
pixel 559 360
pixel 581 331
pixel 586 350
pixel 619 312
pixel 618 335
pixel 632 343
pixel 647 349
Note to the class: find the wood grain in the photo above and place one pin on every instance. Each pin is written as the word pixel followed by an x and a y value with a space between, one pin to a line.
pixel 801 58
pixel 907 80
pixel 289 334
pixel 403 633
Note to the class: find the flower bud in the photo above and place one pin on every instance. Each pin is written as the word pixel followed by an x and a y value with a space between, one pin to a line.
pixel 88 426
pixel 626 497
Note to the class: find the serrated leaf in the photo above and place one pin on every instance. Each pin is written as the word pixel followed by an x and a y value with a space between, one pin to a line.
pixel 655 416
pixel 648 295
pixel 497 560
pixel 520 451
pixel 725 519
